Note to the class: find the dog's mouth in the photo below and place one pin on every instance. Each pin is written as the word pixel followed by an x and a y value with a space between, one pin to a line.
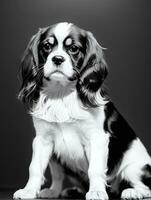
pixel 59 75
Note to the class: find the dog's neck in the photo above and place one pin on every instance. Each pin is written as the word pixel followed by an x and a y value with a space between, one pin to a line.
pixel 59 103
pixel 58 89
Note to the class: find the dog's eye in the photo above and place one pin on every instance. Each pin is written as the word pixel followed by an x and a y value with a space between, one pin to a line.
pixel 74 49
pixel 47 46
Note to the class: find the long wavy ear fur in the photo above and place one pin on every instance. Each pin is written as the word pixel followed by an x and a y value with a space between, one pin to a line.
pixel 93 73
pixel 31 77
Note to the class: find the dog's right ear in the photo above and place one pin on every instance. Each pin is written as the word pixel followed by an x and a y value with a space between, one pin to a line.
pixel 29 71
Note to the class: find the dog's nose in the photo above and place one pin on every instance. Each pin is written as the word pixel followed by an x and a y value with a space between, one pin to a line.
pixel 58 59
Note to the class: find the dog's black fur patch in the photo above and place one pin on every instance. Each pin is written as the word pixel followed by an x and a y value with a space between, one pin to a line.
pixel 146 177
pixel 121 133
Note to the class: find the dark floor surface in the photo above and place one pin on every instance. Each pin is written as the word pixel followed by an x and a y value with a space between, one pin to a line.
pixel 8 195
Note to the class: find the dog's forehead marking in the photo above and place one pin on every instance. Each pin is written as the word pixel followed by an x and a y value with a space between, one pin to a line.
pixel 61 31
pixel 68 41
pixel 51 40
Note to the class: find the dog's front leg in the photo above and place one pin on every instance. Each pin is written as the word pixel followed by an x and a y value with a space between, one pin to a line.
pixel 97 155
pixel 42 150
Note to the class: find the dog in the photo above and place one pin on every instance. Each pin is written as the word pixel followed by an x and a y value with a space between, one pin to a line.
pixel 79 131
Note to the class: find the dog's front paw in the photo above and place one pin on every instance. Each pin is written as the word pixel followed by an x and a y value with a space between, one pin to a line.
pixel 96 195
pixel 48 193
pixel 25 194
pixel 132 193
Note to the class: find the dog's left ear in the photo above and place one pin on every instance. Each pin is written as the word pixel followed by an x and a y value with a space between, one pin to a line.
pixel 93 71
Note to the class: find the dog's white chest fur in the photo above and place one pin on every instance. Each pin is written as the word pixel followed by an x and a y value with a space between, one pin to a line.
pixel 66 109
pixel 70 126
pixel 69 146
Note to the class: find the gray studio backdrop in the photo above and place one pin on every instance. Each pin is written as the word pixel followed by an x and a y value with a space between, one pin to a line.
pixel 123 27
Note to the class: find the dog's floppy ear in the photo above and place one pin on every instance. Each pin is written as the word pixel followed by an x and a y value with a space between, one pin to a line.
pixel 29 71
pixel 93 72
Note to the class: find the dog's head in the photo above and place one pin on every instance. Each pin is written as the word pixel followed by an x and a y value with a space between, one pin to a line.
pixel 63 53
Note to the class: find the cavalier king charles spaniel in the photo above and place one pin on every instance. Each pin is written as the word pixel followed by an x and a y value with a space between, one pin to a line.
pixel 79 132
